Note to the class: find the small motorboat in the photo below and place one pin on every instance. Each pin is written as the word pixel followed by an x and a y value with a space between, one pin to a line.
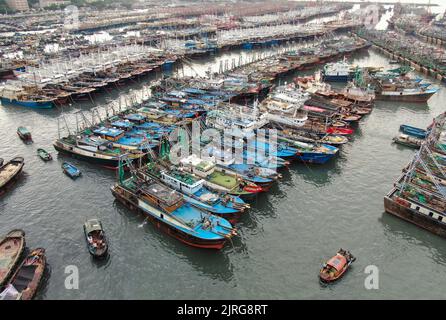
pixel 44 155
pixel 9 172
pixel 95 236
pixel 334 139
pixel 334 268
pixel 11 249
pixel 413 131
pixel 24 134
pixel 25 282
pixel 70 170
pixel 408 141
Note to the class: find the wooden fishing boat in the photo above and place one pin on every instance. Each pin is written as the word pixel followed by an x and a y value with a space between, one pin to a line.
pixel 11 249
pixel 24 134
pixel 70 170
pixel 25 282
pixel 9 172
pixel 44 155
pixel 335 268
pixel 408 141
pixel 95 236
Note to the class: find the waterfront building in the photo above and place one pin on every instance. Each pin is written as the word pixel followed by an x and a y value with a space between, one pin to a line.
pixel 19 5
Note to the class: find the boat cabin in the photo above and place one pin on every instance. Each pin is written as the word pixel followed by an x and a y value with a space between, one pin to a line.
pixel 162 196
pixel 111 134
pixel 201 168
pixel 123 124
pixel 182 181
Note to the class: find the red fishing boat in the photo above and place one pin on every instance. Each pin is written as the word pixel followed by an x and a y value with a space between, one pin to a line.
pixel 335 268
pixel 339 131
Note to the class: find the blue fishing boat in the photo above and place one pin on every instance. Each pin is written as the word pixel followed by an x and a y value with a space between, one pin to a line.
pixel 168 211
pixel 37 104
pixel 282 150
pixel 196 193
pixel 70 170
pixel 270 161
pixel 413 131
pixel 262 177
pixel 312 153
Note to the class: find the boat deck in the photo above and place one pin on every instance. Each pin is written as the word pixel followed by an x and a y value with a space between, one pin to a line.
pixel 7 172
pixel 223 180
pixel 8 251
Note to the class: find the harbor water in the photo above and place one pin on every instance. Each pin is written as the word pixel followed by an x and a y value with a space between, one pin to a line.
pixel 282 241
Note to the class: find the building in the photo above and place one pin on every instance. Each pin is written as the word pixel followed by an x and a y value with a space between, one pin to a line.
pixel 47 3
pixel 19 5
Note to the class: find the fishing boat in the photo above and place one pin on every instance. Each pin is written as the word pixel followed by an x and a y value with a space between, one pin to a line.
pixel 408 141
pixel 94 149
pixel 44 155
pixel 263 177
pixel 335 268
pixel 25 282
pixel 197 194
pixel 338 72
pixel 18 97
pixel 95 236
pixel 11 249
pixel 24 134
pixel 168 211
pixel 9 172
pixel 413 131
pixel 70 170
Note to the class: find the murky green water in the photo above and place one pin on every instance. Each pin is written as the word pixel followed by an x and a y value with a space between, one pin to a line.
pixel 283 240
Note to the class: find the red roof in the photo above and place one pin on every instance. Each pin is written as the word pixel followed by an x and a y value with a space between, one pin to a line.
pixel 338 262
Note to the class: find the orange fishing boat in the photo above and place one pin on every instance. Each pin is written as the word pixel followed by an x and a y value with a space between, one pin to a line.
pixel 335 268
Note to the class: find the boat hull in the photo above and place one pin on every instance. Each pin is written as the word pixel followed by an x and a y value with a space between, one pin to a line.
pixel 111 163
pixel 28 104
pixel 419 98
pixel 173 232
pixel 414 216
pixel 314 158
pixel 329 78
pixel 10 182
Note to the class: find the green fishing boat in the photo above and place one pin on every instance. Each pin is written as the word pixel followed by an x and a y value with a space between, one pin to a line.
pixel 44 155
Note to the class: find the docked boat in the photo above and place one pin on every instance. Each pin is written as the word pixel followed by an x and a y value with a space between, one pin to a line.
pixel 336 267
pixel 11 249
pixel 218 179
pixel 70 170
pixel 95 236
pixel 24 134
pixel 17 97
pixel 413 131
pixel 9 172
pixel 196 193
pixel 25 282
pixel 338 72
pixel 94 150
pixel 406 95
pixel 408 141
pixel 44 155
pixel 169 212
